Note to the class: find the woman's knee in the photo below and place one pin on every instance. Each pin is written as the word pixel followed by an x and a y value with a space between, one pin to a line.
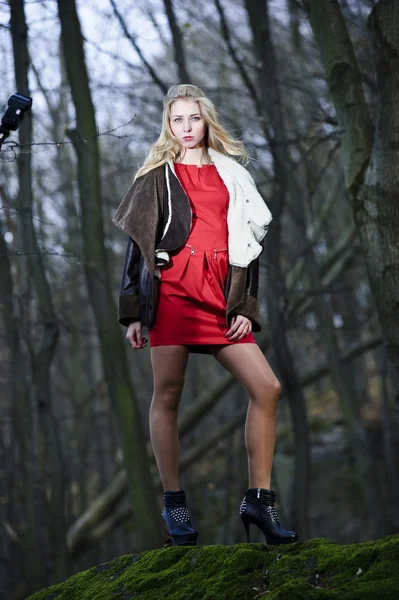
pixel 167 393
pixel 169 367
pixel 267 393
pixel 276 388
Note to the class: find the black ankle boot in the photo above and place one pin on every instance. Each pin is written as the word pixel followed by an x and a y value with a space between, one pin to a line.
pixel 257 507
pixel 178 528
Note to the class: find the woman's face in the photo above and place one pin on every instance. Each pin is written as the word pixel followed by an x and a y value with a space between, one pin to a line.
pixel 187 123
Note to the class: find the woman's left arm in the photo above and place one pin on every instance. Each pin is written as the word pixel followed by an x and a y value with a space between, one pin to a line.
pixel 246 315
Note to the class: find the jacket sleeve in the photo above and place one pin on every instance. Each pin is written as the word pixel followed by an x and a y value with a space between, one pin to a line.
pixel 129 294
pixel 249 306
pixel 253 278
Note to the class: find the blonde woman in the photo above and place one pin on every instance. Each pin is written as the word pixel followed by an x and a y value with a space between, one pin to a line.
pixel 196 222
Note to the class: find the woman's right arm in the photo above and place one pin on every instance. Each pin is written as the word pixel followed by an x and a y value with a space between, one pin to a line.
pixel 129 312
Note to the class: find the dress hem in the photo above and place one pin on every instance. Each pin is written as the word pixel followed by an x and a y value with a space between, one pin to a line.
pixel 196 343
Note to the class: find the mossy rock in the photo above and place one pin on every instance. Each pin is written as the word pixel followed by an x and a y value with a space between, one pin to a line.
pixel 308 570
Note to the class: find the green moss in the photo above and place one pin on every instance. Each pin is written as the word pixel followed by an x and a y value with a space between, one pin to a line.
pixel 307 570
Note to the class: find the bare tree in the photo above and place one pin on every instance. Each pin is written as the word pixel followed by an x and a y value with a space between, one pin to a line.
pixel 154 76
pixel 180 57
pixel 97 273
pixel 369 161
pixel 321 302
pixel 41 354
pixel 266 71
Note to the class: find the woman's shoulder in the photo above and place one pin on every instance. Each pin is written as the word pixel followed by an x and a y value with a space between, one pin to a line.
pixel 153 173
pixel 231 164
pixel 151 181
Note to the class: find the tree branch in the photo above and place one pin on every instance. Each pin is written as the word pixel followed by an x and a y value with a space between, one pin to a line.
pixel 162 86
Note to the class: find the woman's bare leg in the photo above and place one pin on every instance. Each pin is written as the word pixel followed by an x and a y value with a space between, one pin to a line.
pixel 249 366
pixel 169 367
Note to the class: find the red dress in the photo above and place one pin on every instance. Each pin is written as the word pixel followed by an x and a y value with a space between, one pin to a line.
pixel 192 306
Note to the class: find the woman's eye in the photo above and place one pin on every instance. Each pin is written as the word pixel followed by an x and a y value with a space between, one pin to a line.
pixel 178 119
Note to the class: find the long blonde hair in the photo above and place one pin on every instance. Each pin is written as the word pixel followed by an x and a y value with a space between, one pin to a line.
pixel 168 147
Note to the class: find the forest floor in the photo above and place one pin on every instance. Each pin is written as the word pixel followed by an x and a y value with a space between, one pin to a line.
pixel 314 569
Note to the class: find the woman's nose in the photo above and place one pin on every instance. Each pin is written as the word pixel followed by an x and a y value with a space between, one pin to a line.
pixel 187 126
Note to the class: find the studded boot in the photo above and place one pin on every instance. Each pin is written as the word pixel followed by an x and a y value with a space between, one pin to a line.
pixel 257 507
pixel 178 528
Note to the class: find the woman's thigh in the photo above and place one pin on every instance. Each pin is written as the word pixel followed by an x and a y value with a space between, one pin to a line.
pixel 169 365
pixel 248 364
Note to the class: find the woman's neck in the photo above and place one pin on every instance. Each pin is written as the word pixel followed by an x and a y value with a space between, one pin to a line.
pixel 195 156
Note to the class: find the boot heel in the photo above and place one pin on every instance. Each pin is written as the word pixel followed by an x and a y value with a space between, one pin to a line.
pixel 257 507
pixel 246 525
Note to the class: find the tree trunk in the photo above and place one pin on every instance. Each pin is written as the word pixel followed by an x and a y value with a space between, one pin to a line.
pixel 42 356
pixel 180 57
pixel 391 462
pixel 16 395
pixel 344 84
pixel 258 14
pixel 116 372
pixel 371 170
pixel 377 212
pixel 357 432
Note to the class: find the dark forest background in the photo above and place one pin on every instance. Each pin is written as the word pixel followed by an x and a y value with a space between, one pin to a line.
pixel 312 89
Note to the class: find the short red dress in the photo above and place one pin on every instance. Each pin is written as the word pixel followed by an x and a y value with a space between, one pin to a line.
pixel 192 306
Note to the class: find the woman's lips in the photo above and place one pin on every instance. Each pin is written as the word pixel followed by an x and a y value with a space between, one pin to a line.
pixel 188 137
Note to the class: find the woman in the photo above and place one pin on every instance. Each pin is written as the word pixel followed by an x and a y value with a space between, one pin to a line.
pixel 195 222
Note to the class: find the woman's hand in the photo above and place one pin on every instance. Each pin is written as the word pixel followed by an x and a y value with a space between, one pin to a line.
pixel 134 336
pixel 240 326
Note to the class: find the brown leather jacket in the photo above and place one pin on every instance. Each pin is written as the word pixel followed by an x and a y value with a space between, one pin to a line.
pixel 142 213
